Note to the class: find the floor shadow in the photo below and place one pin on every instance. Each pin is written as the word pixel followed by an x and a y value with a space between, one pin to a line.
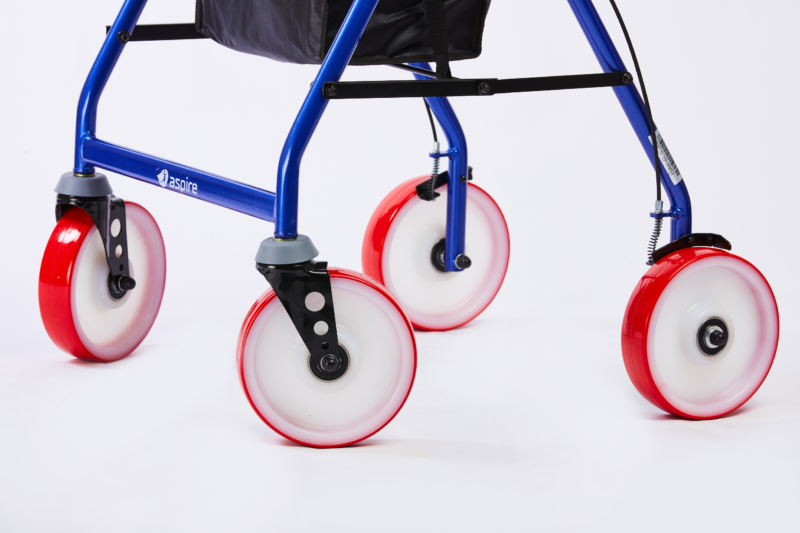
pixel 100 364
pixel 363 444
pixel 667 416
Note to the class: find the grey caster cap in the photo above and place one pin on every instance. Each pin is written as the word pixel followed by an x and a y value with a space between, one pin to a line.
pixel 289 252
pixel 72 185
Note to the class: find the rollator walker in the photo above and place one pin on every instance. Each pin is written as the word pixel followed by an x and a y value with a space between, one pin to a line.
pixel 327 356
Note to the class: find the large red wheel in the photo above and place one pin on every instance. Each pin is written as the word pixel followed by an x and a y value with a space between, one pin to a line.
pixel 78 313
pixel 274 366
pixel 700 333
pixel 399 251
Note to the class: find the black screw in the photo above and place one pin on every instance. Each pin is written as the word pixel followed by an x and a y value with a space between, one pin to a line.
pixel 123 36
pixel 718 338
pixel 330 91
pixel 484 88
pixel 126 283
pixel 627 79
pixel 463 262
pixel 690 240
pixel 463 179
pixel 329 364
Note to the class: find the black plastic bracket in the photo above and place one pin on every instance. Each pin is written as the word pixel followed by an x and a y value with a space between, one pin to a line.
pixel 315 321
pixel 710 240
pixel 343 90
pixel 427 189
pixel 105 210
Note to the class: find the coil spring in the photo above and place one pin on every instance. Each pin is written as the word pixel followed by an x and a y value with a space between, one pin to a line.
pixel 432 181
pixel 654 240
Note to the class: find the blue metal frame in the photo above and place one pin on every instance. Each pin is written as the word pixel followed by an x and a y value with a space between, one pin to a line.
pixel 634 108
pixel 282 207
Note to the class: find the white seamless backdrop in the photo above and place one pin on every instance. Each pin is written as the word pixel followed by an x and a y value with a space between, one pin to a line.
pixel 524 420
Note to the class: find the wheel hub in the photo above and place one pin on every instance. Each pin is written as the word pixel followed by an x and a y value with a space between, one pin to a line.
pixel 437 256
pixel 330 367
pixel 712 337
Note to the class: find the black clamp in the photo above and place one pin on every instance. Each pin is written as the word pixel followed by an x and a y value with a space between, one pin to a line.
pixel 692 240
pixel 105 211
pixel 427 189
pixel 304 289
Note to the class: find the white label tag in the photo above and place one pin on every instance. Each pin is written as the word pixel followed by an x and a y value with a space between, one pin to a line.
pixel 666 159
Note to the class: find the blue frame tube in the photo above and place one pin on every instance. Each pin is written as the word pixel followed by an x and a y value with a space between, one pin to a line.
pixel 333 66
pixel 634 108
pixel 181 179
pixel 98 77
pixel 455 235
pixel 282 208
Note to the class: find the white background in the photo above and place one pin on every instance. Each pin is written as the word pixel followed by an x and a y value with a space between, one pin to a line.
pixel 525 420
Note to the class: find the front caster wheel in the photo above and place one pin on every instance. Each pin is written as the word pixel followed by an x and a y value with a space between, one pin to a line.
pixel 79 313
pixel 700 333
pixel 376 341
pixel 404 250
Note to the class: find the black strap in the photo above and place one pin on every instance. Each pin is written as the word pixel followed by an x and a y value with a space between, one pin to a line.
pixel 437 23
pixel 343 90
pixel 163 32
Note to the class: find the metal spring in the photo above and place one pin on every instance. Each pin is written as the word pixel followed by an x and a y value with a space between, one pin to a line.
pixel 654 240
pixel 434 174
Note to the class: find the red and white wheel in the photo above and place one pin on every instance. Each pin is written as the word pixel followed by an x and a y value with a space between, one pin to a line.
pixel 285 393
pixel 397 252
pixel 700 333
pixel 78 313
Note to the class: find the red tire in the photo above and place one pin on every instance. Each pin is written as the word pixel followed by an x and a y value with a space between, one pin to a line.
pixel 78 314
pixel 397 252
pixel 280 386
pixel 667 346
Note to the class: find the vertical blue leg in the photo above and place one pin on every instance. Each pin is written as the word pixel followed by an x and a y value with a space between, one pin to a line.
pixel 98 77
pixel 286 203
pixel 634 107
pixel 456 188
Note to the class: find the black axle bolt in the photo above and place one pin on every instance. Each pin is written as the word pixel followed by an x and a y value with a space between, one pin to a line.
pixel 123 36
pixel 463 262
pixel 329 364
pixel 126 283
pixel 717 338
pixel 712 337
pixel 627 79
pixel 330 91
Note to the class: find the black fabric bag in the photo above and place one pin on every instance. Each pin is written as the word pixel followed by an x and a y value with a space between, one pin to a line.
pixel 302 31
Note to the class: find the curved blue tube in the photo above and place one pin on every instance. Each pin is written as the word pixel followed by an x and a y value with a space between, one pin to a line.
pixel 455 235
pixel 286 203
pixel 98 77
pixel 635 109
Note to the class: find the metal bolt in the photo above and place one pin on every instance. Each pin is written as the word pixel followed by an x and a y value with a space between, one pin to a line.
pixel 463 262
pixel 123 36
pixel 330 91
pixel 484 88
pixel 329 364
pixel 126 283
pixel 463 179
pixel 627 79
pixel 715 337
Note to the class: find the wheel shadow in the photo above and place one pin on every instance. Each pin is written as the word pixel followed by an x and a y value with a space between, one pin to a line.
pixel 670 417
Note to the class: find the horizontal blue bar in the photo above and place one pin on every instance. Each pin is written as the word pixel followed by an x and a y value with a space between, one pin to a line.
pixel 181 179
